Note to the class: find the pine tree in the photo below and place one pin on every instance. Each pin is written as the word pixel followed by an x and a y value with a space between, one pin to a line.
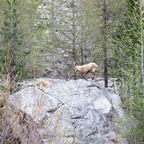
pixel 141 26
pixel 17 33
pixel 127 68
pixel 11 37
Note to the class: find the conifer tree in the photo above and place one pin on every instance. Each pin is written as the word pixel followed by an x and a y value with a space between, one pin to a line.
pixel 142 32
pixel 17 33
pixel 127 68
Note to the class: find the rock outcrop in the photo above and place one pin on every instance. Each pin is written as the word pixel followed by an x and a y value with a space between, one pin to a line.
pixel 75 111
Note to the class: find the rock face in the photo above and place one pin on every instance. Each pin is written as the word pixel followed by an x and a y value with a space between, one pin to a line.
pixel 75 111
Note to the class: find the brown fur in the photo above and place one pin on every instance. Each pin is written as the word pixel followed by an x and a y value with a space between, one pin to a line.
pixel 43 83
pixel 88 68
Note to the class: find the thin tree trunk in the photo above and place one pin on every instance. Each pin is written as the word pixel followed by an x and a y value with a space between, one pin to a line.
pixel 11 44
pixel 74 47
pixel 121 68
pixel 52 29
pixel 142 65
pixel 52 23
pixel 82 33
pixel 82 46
pixel 52 16
pixel 104 44
pixel 12 61
pixel 85 50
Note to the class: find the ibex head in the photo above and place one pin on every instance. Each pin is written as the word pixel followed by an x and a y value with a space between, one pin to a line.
pixel 77 68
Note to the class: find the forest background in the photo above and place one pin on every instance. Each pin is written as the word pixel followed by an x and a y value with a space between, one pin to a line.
pixel 36 35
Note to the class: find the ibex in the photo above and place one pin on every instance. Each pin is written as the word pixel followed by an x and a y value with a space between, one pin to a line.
pixel 87 68
pixel 43 83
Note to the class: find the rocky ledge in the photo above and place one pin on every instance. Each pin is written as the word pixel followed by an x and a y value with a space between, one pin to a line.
pixel 75 111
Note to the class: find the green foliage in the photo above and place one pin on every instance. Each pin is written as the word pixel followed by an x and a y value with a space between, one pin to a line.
pixel 127 67
pixel 23 20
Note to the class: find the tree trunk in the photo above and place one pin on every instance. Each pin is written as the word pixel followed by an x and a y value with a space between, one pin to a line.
pixel 104 43
pixel 121 69
pixel 11 46
pixel 82 46
pixel 52 16
pixel 141 13
pixel 85 50
pixel 74 48
pixel 82 34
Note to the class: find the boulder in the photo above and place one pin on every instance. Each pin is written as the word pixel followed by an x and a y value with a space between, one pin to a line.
pixel 75 111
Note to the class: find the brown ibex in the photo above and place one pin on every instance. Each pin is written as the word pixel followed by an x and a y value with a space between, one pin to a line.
pixel 87 68
pixel 43 83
